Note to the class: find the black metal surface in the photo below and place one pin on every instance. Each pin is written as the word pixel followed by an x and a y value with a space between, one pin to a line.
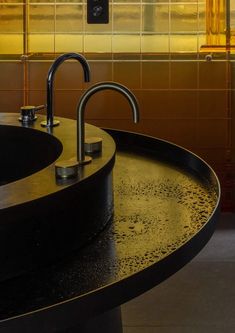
pixel 22 154
pixel 166 208
pixel 35 211
pixel 50 80
pixel 97 11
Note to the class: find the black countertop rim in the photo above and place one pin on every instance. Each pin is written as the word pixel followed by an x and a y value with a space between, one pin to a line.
pixel 134 286
pixel 184 254
pixel 138 139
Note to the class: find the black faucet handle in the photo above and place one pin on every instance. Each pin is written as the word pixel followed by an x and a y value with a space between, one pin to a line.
pixel 27 113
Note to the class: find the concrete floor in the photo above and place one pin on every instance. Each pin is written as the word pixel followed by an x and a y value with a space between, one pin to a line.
pixel 200 298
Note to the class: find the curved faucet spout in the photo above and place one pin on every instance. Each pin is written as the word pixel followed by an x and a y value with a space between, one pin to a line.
pixel 50 122
pixel 82 105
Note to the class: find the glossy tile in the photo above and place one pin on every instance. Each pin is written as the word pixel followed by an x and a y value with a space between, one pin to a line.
pixel 127 73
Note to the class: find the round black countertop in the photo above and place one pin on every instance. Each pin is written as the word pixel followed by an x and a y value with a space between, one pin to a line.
pixel 166 208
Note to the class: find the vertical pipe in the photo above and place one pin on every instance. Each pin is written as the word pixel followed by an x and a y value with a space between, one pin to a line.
pixel 228 25
pixel 24 56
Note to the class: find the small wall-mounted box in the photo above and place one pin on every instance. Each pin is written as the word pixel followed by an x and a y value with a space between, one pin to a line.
pixel 97 11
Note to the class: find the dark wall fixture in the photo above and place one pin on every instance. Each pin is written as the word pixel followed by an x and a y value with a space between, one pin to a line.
pixel 97 11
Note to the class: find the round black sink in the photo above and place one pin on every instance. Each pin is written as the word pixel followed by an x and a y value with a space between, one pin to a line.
pixel 24 151
pixel 42 218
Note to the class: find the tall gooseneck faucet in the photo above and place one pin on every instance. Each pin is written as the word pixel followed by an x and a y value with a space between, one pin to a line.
pixel 50 122
pixel 81 110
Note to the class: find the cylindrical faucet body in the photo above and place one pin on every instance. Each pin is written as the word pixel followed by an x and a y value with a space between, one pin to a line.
pixel 50 80
pixel 82 105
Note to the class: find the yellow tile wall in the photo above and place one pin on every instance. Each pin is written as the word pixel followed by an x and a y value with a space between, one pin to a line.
pixel 151 46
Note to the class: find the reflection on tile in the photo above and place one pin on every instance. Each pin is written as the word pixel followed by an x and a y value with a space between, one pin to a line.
pixel 213 75
pixel 120 70
pixel 66 103
pixel 12 75
pixel 211 133
pixel 155 75
pixel 184 75
pixel 11 101
pixel 212 104
pixel 100 71
pixel 41 18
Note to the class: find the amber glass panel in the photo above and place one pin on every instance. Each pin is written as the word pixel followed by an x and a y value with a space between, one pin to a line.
pixel 216 23
pixel 232 15
pixel 69 18
pixel 126 18
pixel 68 43
pixel 183 18
pixel 183 28
pixel 41 18
pixel 41 43
pixel 97 43
pixel 11 18
pixel 202 18
pixel 41 1
pixel 12 1
pixel 185 2
pixel 66 1
pixel 132 2
pixel 232 21
pixel 155 43
pixel 156 1
pixel 126 43
pixel 183 43
pixel 155 18
pixel 11 43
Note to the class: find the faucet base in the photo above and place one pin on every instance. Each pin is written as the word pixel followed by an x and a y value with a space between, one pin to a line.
pixel 66 169
pixel 44 123
pixel 87 159
pixel 93 145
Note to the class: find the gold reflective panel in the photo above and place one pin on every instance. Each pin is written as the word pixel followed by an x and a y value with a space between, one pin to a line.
pixel 101 43
pixel 126 43
pixel 150 26
pixel 11 18
pixel 41 43
pixel 183 18
pixel 69 18
pixel 126 18
pixel 41 18
pixel 155 18
pixel 220 29
pixel 63 43
pixel 11 43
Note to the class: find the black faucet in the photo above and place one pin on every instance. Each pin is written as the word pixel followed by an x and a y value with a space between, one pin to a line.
pixel 81 158
pixel 50 122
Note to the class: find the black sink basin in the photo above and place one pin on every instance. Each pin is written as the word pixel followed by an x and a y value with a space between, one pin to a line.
pixel 24 151
pixel 43 219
